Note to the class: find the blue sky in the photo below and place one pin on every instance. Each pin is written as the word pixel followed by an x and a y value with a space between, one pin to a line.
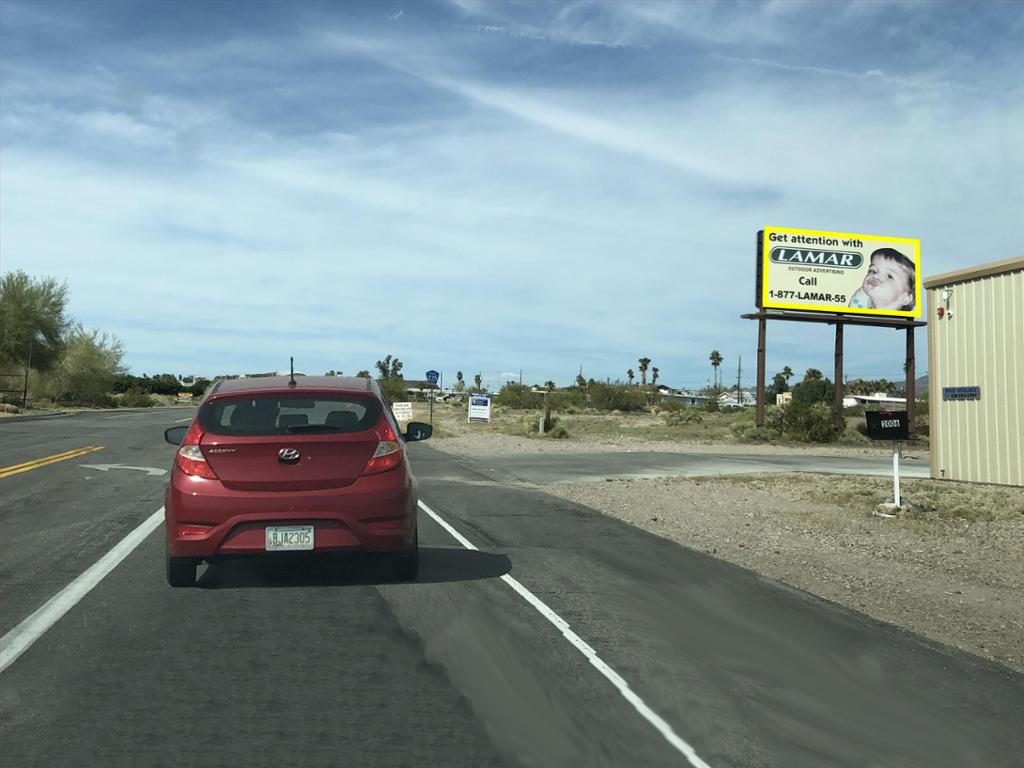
pixel 492 187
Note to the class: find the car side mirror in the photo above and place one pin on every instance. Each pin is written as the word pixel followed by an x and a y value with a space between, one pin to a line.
pixel 175 435
pixel 417 430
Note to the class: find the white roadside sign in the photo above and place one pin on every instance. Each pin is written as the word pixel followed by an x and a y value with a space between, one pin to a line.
pixel 402 411
pixel 479 407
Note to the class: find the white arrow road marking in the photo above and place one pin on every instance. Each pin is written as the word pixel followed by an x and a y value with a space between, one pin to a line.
pixel 106 467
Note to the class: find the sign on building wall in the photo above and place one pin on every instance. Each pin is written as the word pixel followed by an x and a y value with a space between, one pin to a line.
pixel 961 393
pixel 479 407
pixel 838 272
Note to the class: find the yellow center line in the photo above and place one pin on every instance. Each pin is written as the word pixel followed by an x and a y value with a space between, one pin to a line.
pixel 25 466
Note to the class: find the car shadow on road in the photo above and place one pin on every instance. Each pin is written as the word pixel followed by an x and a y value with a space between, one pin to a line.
pixel 437 566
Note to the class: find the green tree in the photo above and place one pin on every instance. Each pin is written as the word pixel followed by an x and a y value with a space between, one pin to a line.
pixel 778 386
pixel 478 380
pixel 630 374
pixel 391 381
pixel 363 374
pixel 814 390
pixel 549 385
pixel 580 381
pixel 459 383
pixel 85 371
pixel 787 373
pixel 389 368
pixel 654 376
pixel 813 373
pixel 32 320
pixel 716 360
pixel 643 363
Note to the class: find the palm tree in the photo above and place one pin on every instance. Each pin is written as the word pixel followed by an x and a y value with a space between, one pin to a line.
pixel 654 376
pixel 644 362
pixel 787 373
pixel 630 374
pixel 812 373
pixel 477 379
pixel 459 384
pixel 549 385
pixel 716 360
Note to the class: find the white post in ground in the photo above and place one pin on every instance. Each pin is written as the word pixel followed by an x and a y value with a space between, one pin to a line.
pixel 896 451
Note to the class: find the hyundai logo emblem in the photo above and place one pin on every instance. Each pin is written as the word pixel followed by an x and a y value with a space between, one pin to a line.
pixel 288 455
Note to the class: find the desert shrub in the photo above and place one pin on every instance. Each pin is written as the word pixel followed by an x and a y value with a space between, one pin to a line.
pixel 671 405
pixel 136 398
pixel 518 397
pixel 683 416
pixel 745 428
pixel 393 389
pixel 616 397
pixel 809 423
pixel 558 432
pixel 712 405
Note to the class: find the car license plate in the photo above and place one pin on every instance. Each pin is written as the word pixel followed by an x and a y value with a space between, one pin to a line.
pixel 289 537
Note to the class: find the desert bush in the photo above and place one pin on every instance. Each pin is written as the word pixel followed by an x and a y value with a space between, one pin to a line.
pixel 518 397
pixel 136 398
pixel 558 432
pixel 616 397
pixel 712 405
pixel 671 405
pixel 85 372
pixel 809 423
pixel 683 416
pixel 745 428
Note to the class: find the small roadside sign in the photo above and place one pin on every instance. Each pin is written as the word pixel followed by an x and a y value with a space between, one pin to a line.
pixel 402 411
pixel 432 377
pixel 480 408
pixel 184 397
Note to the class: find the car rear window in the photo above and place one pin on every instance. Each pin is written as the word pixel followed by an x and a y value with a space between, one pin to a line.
pixel 288 415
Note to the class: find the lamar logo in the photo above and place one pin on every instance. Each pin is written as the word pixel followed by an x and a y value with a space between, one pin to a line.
pixel 843 259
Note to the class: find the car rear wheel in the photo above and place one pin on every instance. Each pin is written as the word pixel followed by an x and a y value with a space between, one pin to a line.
pixel 181 571
pixel 407 565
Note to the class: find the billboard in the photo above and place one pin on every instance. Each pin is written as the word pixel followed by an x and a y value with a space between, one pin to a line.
pixel 838 272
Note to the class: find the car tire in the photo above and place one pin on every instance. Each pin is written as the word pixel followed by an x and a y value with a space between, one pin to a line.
pixel 181 571
pixel 407 565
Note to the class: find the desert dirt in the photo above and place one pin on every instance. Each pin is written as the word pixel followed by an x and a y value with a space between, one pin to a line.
pixel 951 568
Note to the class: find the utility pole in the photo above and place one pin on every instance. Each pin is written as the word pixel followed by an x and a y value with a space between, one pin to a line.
pixel 739 373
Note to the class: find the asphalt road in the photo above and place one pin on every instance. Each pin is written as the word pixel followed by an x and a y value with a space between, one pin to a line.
pixel 304 662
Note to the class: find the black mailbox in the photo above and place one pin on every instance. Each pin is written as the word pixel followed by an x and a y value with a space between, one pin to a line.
pixel 888 425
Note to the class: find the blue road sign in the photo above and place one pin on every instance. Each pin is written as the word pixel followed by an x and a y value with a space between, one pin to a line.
pixel 432 377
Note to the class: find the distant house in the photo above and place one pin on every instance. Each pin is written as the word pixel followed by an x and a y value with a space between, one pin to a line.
pixel 878 398
pixel 683 396
pixel 730 399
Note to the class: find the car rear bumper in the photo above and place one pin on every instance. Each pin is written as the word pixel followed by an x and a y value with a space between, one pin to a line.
pixel 375 514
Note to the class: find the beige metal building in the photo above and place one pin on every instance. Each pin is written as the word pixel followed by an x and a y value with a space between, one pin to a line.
pixel 976 373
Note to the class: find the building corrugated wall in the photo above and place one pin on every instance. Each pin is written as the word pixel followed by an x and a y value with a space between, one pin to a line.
pixel 979 342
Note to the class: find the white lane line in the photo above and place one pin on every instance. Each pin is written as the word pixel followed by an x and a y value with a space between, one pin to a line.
pixel 20 639
pixel 563 626
pixel 178 421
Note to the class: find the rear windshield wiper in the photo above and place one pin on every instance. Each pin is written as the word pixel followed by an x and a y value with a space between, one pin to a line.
pixel 298 428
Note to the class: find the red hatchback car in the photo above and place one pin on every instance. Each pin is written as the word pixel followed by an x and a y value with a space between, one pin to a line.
pixel 278 464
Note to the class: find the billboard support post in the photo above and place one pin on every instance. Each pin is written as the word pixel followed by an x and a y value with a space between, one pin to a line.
pixel 761 332
pixel 911 384
pixel 837 401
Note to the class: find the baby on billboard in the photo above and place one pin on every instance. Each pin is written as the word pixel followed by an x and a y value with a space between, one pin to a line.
pixel 889 283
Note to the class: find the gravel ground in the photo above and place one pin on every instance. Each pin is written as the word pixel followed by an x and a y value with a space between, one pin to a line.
pixel 954 580
pixel 952 569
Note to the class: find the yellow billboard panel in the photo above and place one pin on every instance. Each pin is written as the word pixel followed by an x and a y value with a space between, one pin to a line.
pixel 839 272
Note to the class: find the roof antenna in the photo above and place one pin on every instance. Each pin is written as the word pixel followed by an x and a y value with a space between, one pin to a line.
pixel 292 382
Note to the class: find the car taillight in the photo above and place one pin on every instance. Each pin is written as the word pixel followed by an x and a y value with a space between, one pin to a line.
pixel 389 451
pixel 190 457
